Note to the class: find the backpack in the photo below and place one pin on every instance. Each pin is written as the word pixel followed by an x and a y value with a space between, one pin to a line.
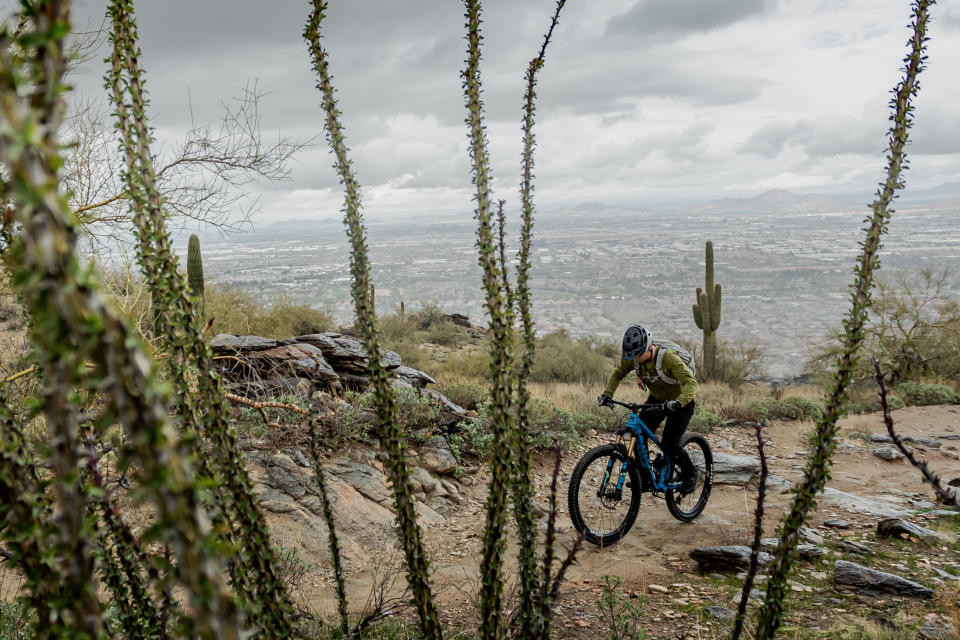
pixel 685 356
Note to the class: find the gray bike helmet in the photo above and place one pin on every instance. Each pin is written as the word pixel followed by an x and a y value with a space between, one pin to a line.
pixel 635 341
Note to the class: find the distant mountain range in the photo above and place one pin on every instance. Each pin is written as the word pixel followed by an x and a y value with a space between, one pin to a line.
pixel 775 200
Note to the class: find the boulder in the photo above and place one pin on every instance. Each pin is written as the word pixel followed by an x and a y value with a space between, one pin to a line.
pixel 880 437
pixel 898 528
pixel 436 456
pixel 836 523
pixel 778 484
pixel 297 360
pixel 888 452
pixel 413 377
pixel 734 470
pixel 936 630
pixel 287 476
pixel 726 558
pixel 848 576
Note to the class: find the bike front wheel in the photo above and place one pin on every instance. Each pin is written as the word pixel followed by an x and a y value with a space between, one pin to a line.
pixel 599 512
pixel 687 506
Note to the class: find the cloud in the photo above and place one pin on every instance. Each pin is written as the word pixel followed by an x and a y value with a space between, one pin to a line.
pixel 670 17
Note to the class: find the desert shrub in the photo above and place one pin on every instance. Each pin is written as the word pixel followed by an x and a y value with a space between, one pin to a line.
pixel 562 358
pixel 913 329
pixel 920 394
pixel 549 426
pixel 414 411
pixel 704 420
pixel 738 362
pixel 806 408
pixel 469 396
pixel 468 363
pixel 239 312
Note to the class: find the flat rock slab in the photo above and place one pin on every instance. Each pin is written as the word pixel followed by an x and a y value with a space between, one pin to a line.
pixel 898 527
pixel 848 576
pixel 727 558
pixel 734 470
pixel 721 613
pixel 874 506
pixel 837 523
pixel 226 343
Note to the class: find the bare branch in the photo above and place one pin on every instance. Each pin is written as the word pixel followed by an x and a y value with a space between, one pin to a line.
pixel 947 497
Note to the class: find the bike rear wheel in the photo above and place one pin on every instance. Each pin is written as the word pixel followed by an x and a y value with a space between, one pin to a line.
pixel 688 506
pixel 598 513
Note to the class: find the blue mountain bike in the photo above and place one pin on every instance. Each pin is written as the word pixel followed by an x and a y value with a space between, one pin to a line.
pixel 606 485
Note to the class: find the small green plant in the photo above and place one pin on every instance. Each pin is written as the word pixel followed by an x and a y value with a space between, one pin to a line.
pixel 704 421
pixel 618 615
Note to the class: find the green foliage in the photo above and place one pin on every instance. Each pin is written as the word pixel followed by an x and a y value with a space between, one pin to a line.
pixel 562 358
pixel 548 426
pixel 704 420
pixel 919 394
pixel 913 329
pixel 238 312
pixel 16 621
pixel 618 615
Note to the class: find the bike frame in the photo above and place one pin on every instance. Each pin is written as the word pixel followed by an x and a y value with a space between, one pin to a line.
pixel 640 433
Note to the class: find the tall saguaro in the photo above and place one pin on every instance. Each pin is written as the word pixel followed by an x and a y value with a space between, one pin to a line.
pixel 706 313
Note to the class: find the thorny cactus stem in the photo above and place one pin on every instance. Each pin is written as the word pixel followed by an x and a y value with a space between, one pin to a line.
pixel 331 527
pixel 411 538
pixel 501 418
pixel 817 471
pixel 534 623
pixel 929 476
pixel 201 402
pixel 73 322
pixel 757 537
pixel 27 524
pixel 123 564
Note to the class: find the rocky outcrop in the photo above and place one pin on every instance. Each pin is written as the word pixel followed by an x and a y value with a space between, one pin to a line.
pixel 252 365
pixel 360 497
pixel 848 576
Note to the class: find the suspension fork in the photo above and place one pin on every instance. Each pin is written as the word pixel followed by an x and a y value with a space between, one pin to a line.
pixel 622 477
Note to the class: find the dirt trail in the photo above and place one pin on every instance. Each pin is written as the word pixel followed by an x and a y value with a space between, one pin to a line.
pixel 656 550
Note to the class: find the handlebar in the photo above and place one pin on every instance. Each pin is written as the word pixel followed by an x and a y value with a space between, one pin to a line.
pixel 636 408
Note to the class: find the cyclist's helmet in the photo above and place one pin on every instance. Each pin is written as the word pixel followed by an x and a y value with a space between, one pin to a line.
pixel 635 342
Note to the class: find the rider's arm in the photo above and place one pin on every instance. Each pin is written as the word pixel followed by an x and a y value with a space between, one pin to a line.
pixel 674 367
pixel 617 375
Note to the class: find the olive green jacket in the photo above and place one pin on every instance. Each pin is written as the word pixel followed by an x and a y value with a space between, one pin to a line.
pixel 684 390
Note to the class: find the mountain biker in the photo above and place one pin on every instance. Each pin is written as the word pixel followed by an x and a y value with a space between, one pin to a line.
pixel 640 353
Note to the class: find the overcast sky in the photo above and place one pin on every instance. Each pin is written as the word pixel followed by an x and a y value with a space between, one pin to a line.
pixel 641 102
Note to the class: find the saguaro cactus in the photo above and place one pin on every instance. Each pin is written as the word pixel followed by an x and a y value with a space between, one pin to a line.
pixel 706 313
pixel 195 271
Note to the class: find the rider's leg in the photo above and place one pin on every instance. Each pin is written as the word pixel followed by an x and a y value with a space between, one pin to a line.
pixel 672 432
